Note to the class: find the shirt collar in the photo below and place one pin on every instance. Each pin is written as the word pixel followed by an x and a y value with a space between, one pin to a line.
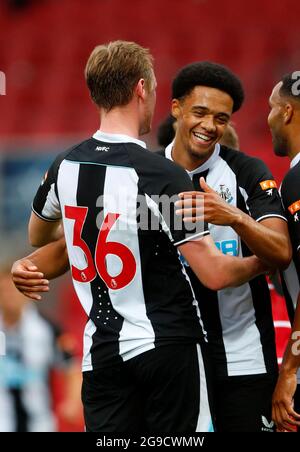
pixel 206 165
pixel 295 160
pixel 117 138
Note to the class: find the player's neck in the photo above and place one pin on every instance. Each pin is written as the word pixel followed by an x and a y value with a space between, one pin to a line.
pixel 120 120
pixel 185 159
pixel 294 149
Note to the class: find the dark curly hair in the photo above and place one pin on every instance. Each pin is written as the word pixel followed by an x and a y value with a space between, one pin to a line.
pixel 213 75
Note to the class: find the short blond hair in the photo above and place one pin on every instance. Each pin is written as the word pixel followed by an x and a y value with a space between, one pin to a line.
pixel 113 70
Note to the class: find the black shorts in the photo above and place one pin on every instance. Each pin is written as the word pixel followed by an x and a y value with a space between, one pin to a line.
pixel 244 403
pixel 163 390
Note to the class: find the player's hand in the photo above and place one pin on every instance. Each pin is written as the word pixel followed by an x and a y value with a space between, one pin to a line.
pixel 28 280
pixel 206 206
pixel 283 413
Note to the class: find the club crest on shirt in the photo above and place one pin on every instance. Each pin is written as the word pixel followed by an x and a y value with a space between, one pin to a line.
pixel 225 193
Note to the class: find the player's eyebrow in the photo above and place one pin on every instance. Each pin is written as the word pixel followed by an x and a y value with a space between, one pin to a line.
pixel 205 109
pixel 200 107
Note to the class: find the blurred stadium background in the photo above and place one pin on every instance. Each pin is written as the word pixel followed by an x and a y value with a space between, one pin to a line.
pixel 44 45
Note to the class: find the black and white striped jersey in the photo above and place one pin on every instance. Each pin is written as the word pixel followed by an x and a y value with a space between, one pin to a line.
pixel 238 320
pixel 290 194
pixel 110 193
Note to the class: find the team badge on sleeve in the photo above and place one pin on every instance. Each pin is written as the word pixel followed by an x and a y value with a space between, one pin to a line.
pixel 294 208
pixel 268 186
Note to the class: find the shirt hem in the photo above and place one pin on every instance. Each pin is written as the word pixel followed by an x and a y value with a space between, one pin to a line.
pixel 240 373
pixel 51 220
pixel 139 351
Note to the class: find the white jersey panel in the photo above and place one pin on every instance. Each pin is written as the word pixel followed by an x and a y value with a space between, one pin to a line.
pixel 241 337
pixel 67 183
pixel 137 334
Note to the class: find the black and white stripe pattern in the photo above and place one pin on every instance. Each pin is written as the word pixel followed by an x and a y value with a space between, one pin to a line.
pixel 238 321
pixel 290 193
pixel 105 176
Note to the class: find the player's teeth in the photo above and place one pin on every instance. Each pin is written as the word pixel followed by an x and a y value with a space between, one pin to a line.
pixel 202 137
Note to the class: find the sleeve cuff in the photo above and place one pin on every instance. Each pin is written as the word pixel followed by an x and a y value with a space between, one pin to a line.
pixel 42 217
pixel 191 238
pixel 271 215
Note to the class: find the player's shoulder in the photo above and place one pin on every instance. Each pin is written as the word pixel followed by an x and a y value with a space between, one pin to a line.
pixel 154 161
pixel 73 150
pixel 291 179
pixel 246 167
pixel 240 158
pixel 293 174
pixel 161 152
pixel 70 152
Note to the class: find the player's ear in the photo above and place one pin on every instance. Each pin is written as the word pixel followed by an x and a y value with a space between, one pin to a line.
pixel 288 113
pixel 175 109
pixel 140 88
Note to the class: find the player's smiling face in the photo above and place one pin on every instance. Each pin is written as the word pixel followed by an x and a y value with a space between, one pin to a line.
pixel 202 117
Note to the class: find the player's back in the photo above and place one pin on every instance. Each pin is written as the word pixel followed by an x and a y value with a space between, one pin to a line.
pixel 125 267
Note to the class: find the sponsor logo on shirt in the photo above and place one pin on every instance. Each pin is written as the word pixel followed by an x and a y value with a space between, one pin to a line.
pixel 293 208
pixel 267 426
pixel 230 247
pixel 268 184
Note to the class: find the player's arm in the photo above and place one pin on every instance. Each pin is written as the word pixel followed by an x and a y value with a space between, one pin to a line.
pixel 268 238
pixel 45 224
pixel 42 232
pixel 31 274
pixel 216 270
pixel 287 381
pixel 283 412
